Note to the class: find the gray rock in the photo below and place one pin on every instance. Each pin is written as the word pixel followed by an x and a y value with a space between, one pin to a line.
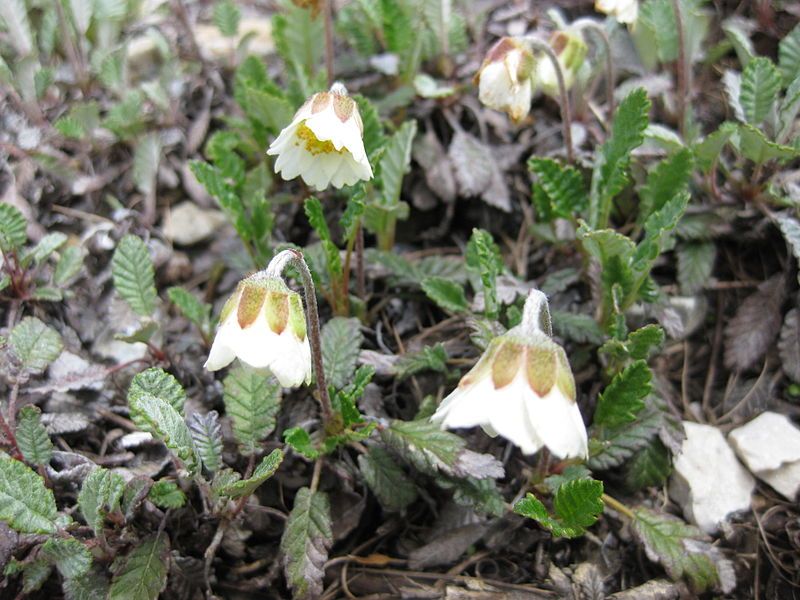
pixel 709 483
pixel 188 224
pixel 770 447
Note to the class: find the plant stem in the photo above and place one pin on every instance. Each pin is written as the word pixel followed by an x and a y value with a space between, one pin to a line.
pixel 10 438
pixel 276 266
pixel 610 75
pixel 618 506
pixel 682 70
pixel 361 286
pixel 566 114
pixel 328 18
pixel 316 474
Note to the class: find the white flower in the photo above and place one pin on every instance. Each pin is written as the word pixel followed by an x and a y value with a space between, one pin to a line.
pixel 504 79
pixel 522 389
pixel 323 144
pixel 625 11
pixel 263 325
pixel 570 50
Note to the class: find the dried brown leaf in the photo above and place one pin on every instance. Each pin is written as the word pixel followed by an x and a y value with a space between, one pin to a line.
pixel 752 330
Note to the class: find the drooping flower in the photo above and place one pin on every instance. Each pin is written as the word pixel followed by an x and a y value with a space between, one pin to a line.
pixel 323 144
pixel 624 11
pixel 263 324
pixel 522 389
pixel 505 78
pixel 570 50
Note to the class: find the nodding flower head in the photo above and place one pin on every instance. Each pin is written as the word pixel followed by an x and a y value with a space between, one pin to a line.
pixel 505 78
pixel 570 49
pixel 263 324
pixel 323 144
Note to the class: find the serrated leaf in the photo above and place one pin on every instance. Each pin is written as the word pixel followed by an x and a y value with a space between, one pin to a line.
pixel 305 543
pixel 156 382
pixel 483 256
pixel 35 344
pixel 787 111
pixel 737 33
pixel 161 420
pixel 68 266
pixel 199 313
pixel 32 438
pixel 15 16
pixel 13 227
pixel 71 558
pixel 273 112
pixel 69 127
pixel 667 179
pixel 761 84
pixel 146 157
pixel 341 346
pixel 559 189
pixel 707 151
pixel 134 276
pixel 577 327
pixel 227 17
pixel 751 143
pixel 207 437
pixel 480 494
pixel 252 402
pixel 101 493
pixel 695 265
pixel 659 19
pixel 789 55
pixel 623 398
pixel 391 486
pixel 90 586
pixel 35 574
pixel 681 549
pixel 576 506
pixel 374 137
pixel 752 330
pixel 266 469
pixel 26 505
pixel 638 345
pixel 649 466
pixel 299 38
pixel 166 494
pixel 47 245
pixel 430 358
pixel 142 574
pixel 395 161
pixel 135 492
pixel 447 294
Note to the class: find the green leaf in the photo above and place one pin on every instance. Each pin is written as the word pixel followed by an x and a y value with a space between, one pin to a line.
pixel 707 151
pixel 341 346
pixel 100 495
pixel 135 492
pixel 252 402
pixel 71 557
pixel 483 255
pixel 739 39
pixel 305 543
pixel 577 505
pixel 15 16
pixel 69 127
pixel 47 294
pixel 47 245
pixel 789 55
pixel 166 494
pixel 649 466
pixel 142 574
pixel 32 438
pixel 374 137
pixel 623 398
pixel 300 441
pixel 227 17
pixel 316 217
pixel 667 179
pixel 430 358
pixel 395 161
pixel 787 111
pixel 638 346
pixel 165 423
pixel 391 486
pixel 68 266
pixel 207 437
pixel 695 265
pixel 90 586
pixel 446 293
pixel 26 505
pixel 266 469
pixel 146 158
pixel 344 400
pixel 683 550
pixel 658 17
pixel 577 327
pixel 423 445
pixel 300 41
pixel 273 112
pixel 199 313
pixel 559 190
pixel 156 382
pixel 134 276
pixel 751 143
pixel 125 119
pixel 35 344
pixel 761 84
pixel 479 494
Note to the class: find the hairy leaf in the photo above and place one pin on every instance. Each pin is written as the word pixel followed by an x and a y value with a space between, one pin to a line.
pixel 47 245
pixel 305 543
pixel 658 17
pixel 391 486
pixel 667 179
pixel 483 256
pixel 100 494
pixel 695 265
pixel 15 16
pixel 252 402
pixel 199 313
pixel 156 382
pixel 761 84
pixel 447 294
pixel 559 190
pixel 226 17
pixel 623 398
pixel 68 266
pixel 433 358
pixel 576 506
pixel 35 344
pixel 71 557
pixel 13 227
pixel 32 438
pixel 790 228
pixel 166 494
pixel 92 585
pixel 134 277
pixel 341 345
pixel 789 55
pixel 750 142
pixel 26 505
pixel 142 574
pixel 649 466
pixel 165 423
pixel 577 327
pixel 207 437
pixel 479 494
pixel 394 162
pixel 266 469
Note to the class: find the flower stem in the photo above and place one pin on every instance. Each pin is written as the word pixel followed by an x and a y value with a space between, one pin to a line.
pixel 563 101
pixel 276 266
pixel 610 76
pixel 328 18
pixel 536 314
pixel 618 506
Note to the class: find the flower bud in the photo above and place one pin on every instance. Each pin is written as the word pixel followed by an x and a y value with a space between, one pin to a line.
pixel 570 50
pixel 504 79
pixel 263 324
pixel 624 11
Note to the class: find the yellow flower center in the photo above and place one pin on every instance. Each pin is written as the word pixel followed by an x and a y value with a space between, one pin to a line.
pixel 314 145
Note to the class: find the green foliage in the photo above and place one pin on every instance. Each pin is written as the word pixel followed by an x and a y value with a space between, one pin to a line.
pixel 207 437
pixel 35 344
pixel 650 466
pixel 695 265
pixel 483 257
pixel 26 505
pixel 637 346
pixel 658 20
pixel 668 178
pixel 101 493
pixel 199 313
pixel 227 17
pixel 46 246
pixel 761 84
pixel 430 358
pixel 32 438
pixel 559 191
pixel 374 136
pixel 344 400
pixel 70 557
pixel 146 157
pixel 142 574
pixel 386 479
pixel 341 346
pixel 299 38
pixel 447 294
pixel 134 276
pixel 577 504
pixel 252 402
pixel 751 143
pixel 424 446
pixel 166 494
pixel 90 586
pixel 623 398
pixel 305 543
pixel 68 266
pixel 789 55
pixel 577 327
pixel 13 228
pixel 160 419
pixel 479 494
pixel 266 469
pixel 156 382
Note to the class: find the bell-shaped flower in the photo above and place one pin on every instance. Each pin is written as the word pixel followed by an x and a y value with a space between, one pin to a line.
pixel 522 389
pixel 505 78
pixel 324 142
pixel 624 11
pixel 571 51
pixel 263 324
